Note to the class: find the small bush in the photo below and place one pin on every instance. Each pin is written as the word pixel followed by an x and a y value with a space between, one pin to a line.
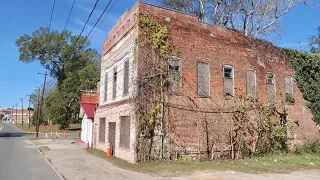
pixel 290 98
pixel 309 147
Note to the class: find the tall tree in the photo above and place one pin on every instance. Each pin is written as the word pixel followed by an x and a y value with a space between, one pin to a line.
pixel 252 17
pixel 315 42
pixel 70 61
pixel 58 52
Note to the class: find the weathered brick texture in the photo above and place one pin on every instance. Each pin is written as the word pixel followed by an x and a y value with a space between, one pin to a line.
pixel 200 42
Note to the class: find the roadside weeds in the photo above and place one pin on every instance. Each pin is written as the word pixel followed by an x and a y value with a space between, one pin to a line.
pixel 255 165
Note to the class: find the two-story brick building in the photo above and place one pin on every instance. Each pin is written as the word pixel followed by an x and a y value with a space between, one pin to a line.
pixel 17 115
pixel 215 64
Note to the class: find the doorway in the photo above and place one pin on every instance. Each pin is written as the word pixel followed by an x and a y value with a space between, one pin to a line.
pixel 112 136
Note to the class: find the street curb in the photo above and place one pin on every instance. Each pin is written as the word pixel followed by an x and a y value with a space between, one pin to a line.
pixel 50 164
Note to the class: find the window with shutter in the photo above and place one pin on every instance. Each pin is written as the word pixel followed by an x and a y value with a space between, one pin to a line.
pixel 203 79
pixel 102 130
pixel 271 88
pixel 251 83
pixel 125 132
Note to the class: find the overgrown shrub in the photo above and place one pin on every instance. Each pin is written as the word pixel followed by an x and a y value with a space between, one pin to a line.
pixel 289 98
pixel 309 147
pixel 259 129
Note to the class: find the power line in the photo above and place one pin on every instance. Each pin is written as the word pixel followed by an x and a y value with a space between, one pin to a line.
pixel 103 19
pixel 54 3
pixel 98 19
pixel 53 6
pixel 69 15
pixel 94 7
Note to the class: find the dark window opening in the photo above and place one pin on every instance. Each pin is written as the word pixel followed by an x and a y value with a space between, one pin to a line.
pixel 228 83
pixel 106 87
pixel 270 78
pixel 228 73
pixel 114 90
pixel 126 78
pixel 174 76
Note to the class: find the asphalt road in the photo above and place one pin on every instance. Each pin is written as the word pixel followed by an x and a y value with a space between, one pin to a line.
pixel 20 160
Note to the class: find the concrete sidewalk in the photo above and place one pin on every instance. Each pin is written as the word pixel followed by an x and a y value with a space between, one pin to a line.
pixel 72 162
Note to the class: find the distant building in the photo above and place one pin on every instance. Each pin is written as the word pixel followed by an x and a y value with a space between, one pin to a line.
pixel 88 103
pixel 19 115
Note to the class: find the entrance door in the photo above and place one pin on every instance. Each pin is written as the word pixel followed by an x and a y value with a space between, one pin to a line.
pixel 112 136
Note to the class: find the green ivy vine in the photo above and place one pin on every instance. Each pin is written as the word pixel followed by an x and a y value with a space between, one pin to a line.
pixel 306 68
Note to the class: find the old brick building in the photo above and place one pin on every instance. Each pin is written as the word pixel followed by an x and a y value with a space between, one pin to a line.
pixel 215 64
pixel 17 115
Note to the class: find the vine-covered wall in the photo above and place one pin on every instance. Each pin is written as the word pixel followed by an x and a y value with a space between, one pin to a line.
pixel 307 75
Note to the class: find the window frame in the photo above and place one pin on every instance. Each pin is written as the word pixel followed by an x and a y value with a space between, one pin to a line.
pixel 209 75
pixel 273 83
pixel 105 97
pixel 114 82
pixel 170 61
pixel 273 78
pixel 126 88
pixel 255 82
pixel 104 133
pixel 121 139
pixel 291 81
pixel 223 78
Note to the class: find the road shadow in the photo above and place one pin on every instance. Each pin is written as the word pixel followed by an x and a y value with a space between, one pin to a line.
pixel 6 134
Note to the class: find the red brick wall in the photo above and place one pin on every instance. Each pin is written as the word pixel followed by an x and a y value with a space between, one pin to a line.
pixel 19 116
pixel 200 42
pixel 126 22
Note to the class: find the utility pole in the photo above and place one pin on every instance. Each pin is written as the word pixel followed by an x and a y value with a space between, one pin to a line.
pixel 16 113
pixel 38 102
pixel 41 102
pixel 29 119
pixel 22 111
pixel 11 118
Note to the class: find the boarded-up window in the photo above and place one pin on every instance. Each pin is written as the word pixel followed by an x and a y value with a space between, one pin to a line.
pixel 102 130
pixel 289 86
pixel 174 76
pixel 203 80
pixel 125 132
pixel 228 85
pixel 106 87
pixel 126 78
pixel 114 89
pixel 271 89
pixel 251 83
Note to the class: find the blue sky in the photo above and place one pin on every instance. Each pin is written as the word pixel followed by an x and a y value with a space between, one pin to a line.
pixel 18 17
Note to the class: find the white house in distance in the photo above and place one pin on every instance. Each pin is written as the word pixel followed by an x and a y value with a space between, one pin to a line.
pixel 89 101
